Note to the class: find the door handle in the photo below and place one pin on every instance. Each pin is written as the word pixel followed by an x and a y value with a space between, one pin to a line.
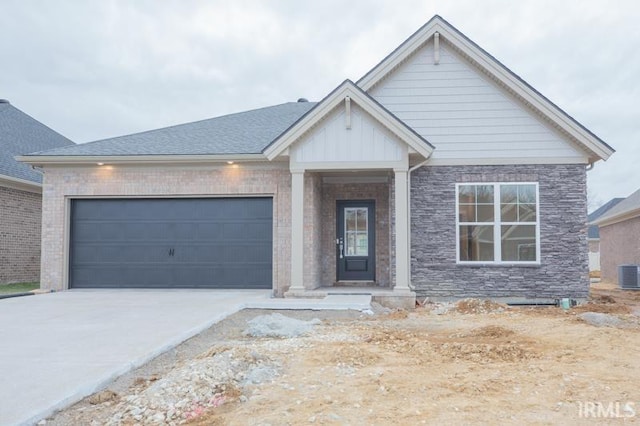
pixel 340 242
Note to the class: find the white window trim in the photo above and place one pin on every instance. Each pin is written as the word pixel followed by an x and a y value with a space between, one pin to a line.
pixel 497 237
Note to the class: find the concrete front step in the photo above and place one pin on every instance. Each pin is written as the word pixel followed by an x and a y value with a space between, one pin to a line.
pixel 358 302
pixel 384 296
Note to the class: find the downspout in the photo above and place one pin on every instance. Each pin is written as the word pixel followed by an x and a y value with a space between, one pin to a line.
pixel 411 169
pixel 589 166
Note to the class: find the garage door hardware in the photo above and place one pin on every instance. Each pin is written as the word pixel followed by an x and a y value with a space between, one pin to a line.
pixel 171 252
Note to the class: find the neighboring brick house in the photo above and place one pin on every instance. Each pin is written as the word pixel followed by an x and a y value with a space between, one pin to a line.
pixel 593 234
pixel 439 173
pixel 21 193
pixel 619 236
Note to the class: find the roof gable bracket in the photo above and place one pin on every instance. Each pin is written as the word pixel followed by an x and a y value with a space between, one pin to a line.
pixel 347 109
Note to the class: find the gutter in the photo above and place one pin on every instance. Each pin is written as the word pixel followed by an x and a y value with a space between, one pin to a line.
pixel 620 217
pixel 20 184
pixel 133 159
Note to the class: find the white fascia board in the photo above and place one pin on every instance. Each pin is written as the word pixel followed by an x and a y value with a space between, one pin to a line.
pixel 396 57
pixel 40 160
pixel 621 217
pixel 524 91
pixel 349 165
pixel 490 65
pixel 323 109
pixel 20 184
pixel 498 161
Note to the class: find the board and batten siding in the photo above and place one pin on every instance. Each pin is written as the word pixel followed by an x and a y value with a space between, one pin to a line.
pixel 464 114
pixel 332 142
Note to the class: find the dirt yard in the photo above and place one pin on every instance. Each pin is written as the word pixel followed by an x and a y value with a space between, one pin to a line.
pixel 474 362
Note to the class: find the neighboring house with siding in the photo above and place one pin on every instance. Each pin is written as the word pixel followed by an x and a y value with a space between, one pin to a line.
pixel 21 193
pixel 619 236
pixel 439 173
pixel 593 234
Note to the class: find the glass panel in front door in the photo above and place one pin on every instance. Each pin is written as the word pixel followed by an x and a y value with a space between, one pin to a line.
pixel 356 231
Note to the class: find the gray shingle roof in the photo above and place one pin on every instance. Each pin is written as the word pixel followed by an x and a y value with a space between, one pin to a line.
pixel 594 230
pixel 629 204
pixel 21 134
pixel 246 132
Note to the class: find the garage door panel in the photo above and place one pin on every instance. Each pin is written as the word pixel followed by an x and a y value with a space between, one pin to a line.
pixel 85 254
pixel 238 276
pixel 140 276
pixel 177 243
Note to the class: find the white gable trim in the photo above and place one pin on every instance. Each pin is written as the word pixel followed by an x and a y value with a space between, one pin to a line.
pixel 368 104
pixel 20 184
pixel 594 147
pixel 616 218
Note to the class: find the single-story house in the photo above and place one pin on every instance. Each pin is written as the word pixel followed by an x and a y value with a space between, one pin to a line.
pixel 21 193
pixel 619 236
pixel 593 234
pixel 439 173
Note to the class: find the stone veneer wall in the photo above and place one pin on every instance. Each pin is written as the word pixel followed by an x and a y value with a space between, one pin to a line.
pixel 332 192
pixel 161 181
pixel 563 271
pixel 619 245
pixel 20 221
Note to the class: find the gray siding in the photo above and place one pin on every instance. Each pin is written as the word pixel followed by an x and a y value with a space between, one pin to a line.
pixel 563 271
pixel 463 113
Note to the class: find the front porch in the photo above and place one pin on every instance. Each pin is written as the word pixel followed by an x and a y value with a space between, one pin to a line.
pixel 322 248
pixel 347 156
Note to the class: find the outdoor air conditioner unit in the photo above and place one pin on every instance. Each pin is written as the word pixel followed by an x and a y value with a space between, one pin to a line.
pixel 629 276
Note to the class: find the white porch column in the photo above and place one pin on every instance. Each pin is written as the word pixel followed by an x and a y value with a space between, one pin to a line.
pixel 402 231
pixel 297 230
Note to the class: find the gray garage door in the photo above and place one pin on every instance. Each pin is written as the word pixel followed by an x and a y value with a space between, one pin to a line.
pixel 171 243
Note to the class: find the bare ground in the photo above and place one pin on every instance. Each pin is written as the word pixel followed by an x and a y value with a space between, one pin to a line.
pixel 475 363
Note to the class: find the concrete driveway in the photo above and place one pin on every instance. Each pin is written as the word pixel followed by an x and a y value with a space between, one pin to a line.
pixel 57 348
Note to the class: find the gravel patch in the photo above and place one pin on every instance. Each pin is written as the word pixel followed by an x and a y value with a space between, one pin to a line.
pixel 600 320
pixel 216 377
pixel 278 325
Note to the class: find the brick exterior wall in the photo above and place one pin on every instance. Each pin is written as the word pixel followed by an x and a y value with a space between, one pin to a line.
pixel 20 220
pixel 162 181
pixel 563 271
pixel 619 245
pixel 351 191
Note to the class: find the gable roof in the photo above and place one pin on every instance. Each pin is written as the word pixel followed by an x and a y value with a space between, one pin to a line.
pixel 20 134
pixel 362 99
pixel 242 133
pixel 595 147
pixel 593 231
pixel 626 209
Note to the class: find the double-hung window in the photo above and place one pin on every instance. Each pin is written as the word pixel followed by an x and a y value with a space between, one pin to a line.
pixel 498 223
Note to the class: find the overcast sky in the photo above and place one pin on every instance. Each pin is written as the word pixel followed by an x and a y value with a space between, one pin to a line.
pixel 96 69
